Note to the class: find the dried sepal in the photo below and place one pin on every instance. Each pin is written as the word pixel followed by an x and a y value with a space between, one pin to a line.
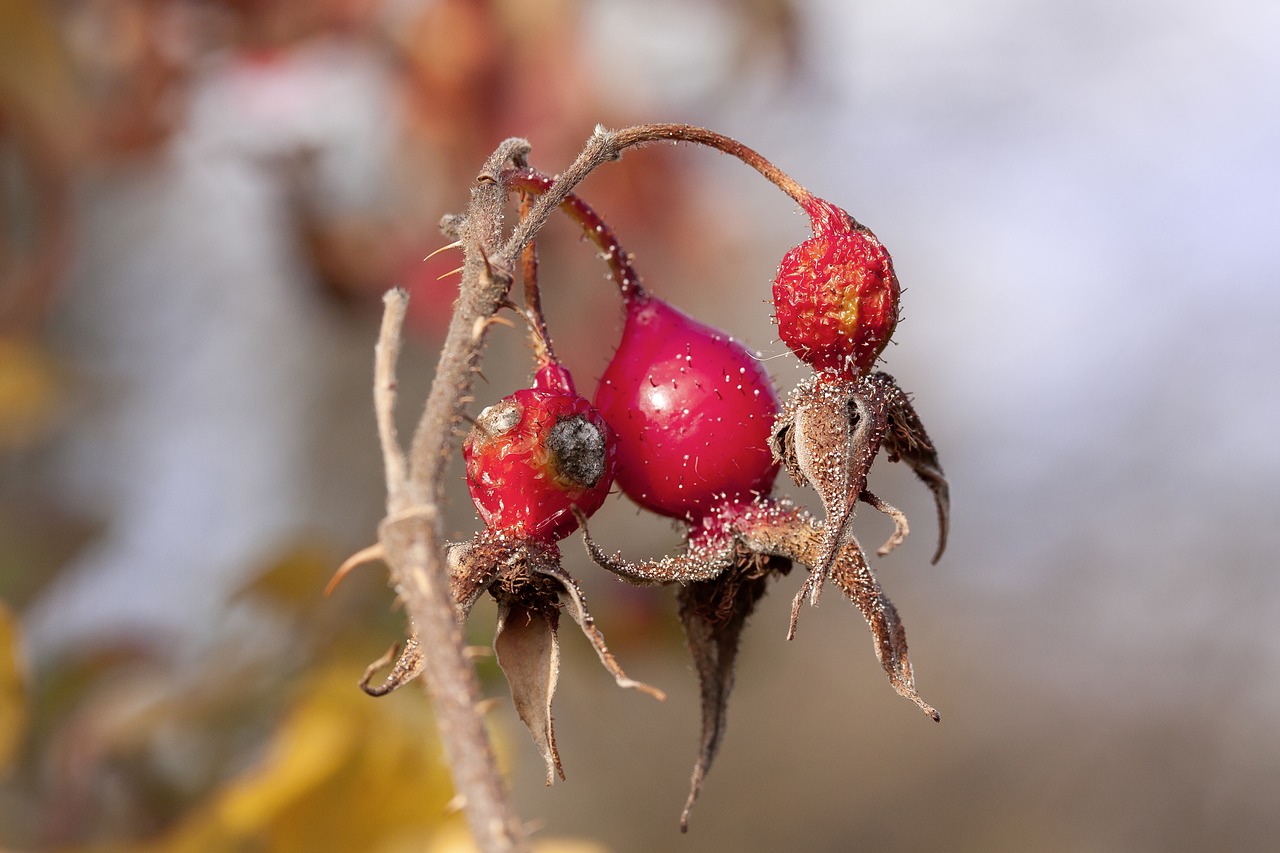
pixel 575 603
pixel 901 529
pixel 526 579
pixel 408 666
pixel 827 437
pixel 682 568
pixel 473 567
pixel 739 546
pixel 804 541
pixel 852 574
pixel 906 440
pixel 795 534
pixel 526 640
pixel 714 613
pixel 528 652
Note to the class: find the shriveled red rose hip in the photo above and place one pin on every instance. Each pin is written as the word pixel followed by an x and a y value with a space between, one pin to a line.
pixel 535 455
pixel 836 294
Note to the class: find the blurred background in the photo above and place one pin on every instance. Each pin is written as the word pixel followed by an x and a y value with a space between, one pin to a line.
pixel 201 203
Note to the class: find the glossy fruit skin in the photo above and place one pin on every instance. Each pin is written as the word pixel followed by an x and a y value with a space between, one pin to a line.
pixel 836 295
pixel 537 453
pixel 692 409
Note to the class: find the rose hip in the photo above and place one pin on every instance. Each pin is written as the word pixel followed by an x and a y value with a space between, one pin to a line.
pixel 836 295
pixel 692 409
pixel 535 455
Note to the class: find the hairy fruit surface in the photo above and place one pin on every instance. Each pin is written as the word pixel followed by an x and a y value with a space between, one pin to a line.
pixel 836 295
pixel 535 455
pixel 692 409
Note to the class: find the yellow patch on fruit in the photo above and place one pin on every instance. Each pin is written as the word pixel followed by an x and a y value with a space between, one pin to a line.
pixel 848 315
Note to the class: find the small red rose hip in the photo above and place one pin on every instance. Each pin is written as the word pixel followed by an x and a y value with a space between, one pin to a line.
pixel 836 295
pixel 692 410
pixel 535 454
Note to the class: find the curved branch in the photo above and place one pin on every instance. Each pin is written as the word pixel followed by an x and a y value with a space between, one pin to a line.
pixel 606 145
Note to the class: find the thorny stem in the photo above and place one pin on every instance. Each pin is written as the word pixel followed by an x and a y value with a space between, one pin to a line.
pixel 486 280
pixel 413 536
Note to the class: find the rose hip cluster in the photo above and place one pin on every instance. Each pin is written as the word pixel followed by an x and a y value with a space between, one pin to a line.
pixel 686 421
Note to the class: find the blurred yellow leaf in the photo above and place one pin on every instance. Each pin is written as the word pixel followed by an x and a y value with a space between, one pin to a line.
pixel 29 392
pixel 342 772
pixel 13 709
pixel 309 749
pixel 294 579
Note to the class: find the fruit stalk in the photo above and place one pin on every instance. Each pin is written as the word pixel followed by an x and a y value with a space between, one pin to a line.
pixel 624 275
pixel 540 337
pixel 643 133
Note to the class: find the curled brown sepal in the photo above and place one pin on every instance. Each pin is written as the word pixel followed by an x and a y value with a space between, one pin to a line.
pixel 470 575
pixel 408 666
pixel 906 440
pixel 901 529
pixel 697 563
pixel 827 437
pixel 525 577
pixel 804 540
pixel 572 599
pixel 721 580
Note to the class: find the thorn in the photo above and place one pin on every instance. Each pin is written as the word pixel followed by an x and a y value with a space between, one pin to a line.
pixel 456 805
pixel 371 554
pixel 456 244
pixel 485 706
pixel 483 323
